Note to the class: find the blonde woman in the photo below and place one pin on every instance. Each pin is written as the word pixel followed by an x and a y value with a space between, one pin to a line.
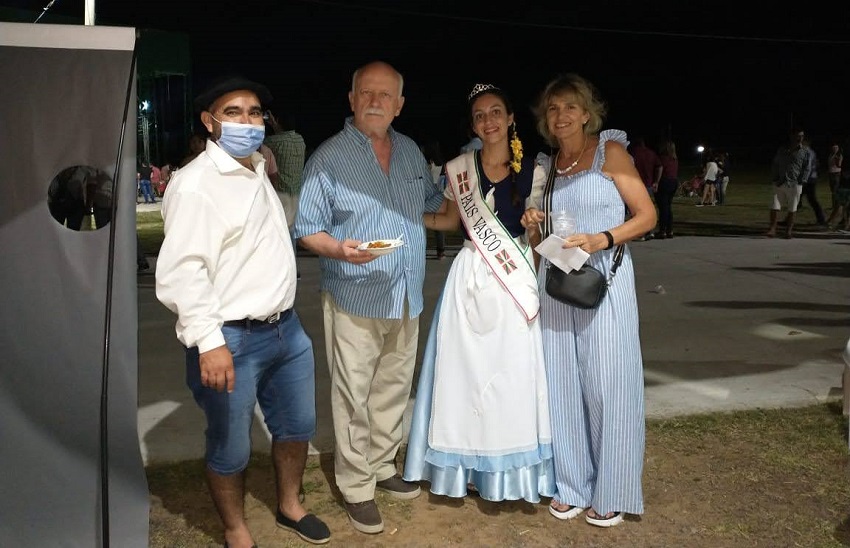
pixel 593 357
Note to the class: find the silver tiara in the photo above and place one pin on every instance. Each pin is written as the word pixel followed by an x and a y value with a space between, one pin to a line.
pixel 480 88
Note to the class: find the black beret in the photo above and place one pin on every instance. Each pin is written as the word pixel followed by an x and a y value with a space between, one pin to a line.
pixel 227 84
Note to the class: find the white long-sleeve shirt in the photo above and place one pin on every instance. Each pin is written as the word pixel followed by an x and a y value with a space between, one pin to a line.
pixel 227 254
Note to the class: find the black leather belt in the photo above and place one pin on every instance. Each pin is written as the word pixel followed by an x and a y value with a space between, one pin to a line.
pixel 248 323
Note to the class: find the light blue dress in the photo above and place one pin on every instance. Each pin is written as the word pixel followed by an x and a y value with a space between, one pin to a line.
pixel 521 475
pixel 593 358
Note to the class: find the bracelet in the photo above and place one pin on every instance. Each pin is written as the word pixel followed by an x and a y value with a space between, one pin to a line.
pixel 610 239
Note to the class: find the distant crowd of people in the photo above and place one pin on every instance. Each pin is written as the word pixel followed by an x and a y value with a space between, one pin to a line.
pixel 795 175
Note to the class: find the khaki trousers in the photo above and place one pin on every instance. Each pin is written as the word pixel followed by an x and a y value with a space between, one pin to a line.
pixel 371 363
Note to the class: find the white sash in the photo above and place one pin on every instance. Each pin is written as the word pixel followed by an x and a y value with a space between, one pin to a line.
pixel 491 239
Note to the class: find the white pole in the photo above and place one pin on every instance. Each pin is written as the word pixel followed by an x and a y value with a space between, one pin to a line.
pixel 90 12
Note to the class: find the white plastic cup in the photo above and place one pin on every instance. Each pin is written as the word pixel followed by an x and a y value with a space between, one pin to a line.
pixel 563 224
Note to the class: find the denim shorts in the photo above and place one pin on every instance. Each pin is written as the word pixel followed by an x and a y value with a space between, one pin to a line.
pixel 274 366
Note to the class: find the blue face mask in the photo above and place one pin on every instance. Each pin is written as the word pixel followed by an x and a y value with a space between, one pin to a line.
pixel 240 140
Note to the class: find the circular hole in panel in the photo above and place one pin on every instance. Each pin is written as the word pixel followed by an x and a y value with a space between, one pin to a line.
pixel 80 198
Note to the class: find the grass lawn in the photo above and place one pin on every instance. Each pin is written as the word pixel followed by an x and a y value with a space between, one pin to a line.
pixel 760 478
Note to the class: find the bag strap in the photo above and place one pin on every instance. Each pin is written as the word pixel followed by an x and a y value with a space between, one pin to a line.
pixel 547 198
pixel 547 207
pixel 618 258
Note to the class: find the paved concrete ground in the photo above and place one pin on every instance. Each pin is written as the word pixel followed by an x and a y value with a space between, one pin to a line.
pixel 726 323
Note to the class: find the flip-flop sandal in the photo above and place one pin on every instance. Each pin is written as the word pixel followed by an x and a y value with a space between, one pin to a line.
pixel 599 521
pixel 570 513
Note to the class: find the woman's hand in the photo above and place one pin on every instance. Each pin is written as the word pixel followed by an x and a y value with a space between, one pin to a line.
pixel 589 243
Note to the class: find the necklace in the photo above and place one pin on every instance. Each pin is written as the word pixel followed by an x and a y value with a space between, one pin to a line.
pixel 572 165
pixel 496 169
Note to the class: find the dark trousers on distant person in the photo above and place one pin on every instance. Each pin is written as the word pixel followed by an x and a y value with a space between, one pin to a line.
pixel 834 180
pixel 147 191
pixel 102 215
pixel 810 194
pixel 69 214
pixel 719 191
pixel 667 188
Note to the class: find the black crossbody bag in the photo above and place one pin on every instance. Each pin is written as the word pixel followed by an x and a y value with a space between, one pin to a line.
pixel 583 288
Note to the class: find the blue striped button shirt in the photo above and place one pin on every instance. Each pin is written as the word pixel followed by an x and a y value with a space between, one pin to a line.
pixel 346 194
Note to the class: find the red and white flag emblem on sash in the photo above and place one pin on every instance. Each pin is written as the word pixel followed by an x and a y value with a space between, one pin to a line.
pixel 506 261
pixel 463 182
pixel 491 239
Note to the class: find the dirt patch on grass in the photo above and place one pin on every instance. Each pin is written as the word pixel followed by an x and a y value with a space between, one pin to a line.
pixel 756 478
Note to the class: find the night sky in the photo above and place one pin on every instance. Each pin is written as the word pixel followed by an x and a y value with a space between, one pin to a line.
pixel 731 76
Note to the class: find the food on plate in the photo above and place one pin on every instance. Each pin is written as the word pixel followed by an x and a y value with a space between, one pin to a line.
pixel 378 244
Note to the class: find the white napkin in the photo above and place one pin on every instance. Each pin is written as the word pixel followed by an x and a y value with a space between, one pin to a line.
pixel 565 259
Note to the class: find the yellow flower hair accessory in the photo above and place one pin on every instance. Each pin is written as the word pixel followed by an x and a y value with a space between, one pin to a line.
pixel 516 150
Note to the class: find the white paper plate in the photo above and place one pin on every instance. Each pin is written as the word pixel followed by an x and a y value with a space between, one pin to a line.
pixel 393 245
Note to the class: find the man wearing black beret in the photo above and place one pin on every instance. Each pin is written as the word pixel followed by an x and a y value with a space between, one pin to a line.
pixel 227 269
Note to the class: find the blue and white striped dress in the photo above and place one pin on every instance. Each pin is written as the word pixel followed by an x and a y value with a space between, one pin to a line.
pixel 593 358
